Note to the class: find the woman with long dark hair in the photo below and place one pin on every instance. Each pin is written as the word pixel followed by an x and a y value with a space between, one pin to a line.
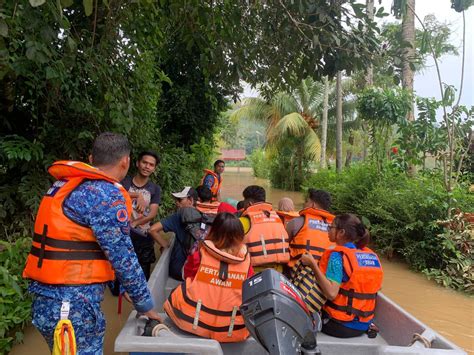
pixel 207 303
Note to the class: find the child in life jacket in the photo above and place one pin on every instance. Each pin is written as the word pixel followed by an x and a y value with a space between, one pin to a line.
pixel 350 275
pixel 207 303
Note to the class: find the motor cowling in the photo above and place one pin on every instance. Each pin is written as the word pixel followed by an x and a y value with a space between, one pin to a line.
pixel 276 315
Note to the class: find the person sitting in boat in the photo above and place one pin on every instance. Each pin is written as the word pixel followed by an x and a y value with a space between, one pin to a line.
pixel 184 200
pixel 207 303
pixel 309 232
pixel 265 234
pixel 204 203
pixel 350 275
pixel 286 210
pixel 213 179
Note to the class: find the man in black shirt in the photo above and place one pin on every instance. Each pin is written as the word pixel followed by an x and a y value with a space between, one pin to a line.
pixel 146 197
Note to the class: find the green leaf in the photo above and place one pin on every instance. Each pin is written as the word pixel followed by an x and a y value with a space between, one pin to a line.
pixel 30 53
pixel 88 6
pixel 36 3
pixel 66 3
pixel 3 28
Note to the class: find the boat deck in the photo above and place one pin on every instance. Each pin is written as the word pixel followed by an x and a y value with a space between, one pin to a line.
pixel 397 328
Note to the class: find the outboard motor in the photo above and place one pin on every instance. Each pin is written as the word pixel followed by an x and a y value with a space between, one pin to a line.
pixel 276 315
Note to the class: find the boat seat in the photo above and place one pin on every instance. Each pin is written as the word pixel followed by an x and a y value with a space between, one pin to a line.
pixel 251 343
pixel 170 286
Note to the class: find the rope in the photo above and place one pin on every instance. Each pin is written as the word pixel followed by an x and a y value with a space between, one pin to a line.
pixel 420 338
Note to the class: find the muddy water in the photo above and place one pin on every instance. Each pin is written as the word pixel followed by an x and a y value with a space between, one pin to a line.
pixel 449 313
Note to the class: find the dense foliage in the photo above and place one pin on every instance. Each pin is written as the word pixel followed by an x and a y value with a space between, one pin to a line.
pixel 404 216
pixel 15 303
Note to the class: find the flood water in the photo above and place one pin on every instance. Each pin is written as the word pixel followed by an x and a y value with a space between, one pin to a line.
pixel 448 312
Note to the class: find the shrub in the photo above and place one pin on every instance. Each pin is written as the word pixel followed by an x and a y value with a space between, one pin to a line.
pixel 260 163
pixel 402 213
pixel 457 249
pixel 15 302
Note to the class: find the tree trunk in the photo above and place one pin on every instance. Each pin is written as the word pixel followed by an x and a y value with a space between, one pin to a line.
pixel 339 122
pixel 349 149
pixel 408 36
pixel 369 74
pixel 324 124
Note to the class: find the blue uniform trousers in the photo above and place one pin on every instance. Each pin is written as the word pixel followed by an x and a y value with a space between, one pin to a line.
pixel 86 317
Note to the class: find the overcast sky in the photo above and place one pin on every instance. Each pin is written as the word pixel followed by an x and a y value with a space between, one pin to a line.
pixel 426 83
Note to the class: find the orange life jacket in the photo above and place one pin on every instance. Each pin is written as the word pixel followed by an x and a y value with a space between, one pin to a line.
pixel 208 305
pixel 313 237
pixel 356 297
pixel 216 187
pixel 267 239
pixel 208 207
pixel 64 252
pixel 287 216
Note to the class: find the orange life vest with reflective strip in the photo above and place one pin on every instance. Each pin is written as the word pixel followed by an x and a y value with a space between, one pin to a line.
pixel 64 252
pixel 287 216
pixel 356 297
pixel 267 239
pixel 313 237
pixel 208 207
pixel 216 186
pixel 208 305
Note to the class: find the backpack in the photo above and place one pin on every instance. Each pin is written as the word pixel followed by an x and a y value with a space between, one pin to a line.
pixel 197 226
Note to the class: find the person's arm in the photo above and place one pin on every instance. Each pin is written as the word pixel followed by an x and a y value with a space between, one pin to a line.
pixel 146 219
pixel 329 287
pixel 208 181
pixel 156 228
pixel 157 237
pixel 108 218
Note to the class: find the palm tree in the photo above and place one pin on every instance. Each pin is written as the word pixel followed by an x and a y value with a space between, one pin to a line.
pixel 339 122
pixel 291 118
pixel 324 124
pixel 405 9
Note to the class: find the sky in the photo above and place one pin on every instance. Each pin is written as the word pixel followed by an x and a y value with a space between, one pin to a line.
pixel 426 82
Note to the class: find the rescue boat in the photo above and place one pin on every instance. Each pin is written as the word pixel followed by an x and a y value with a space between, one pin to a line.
pixel 399 332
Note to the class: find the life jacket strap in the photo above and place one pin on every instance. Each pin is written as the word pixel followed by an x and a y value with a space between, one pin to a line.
pixel 268 241
pixel 264 249
pixel 306 247
pixel 43 246
pixel 232 321
pixel 350 310
pixel 267 252
pixel 66 255
pixel 64 244
pixel 193 304
pixel 360 296
pixel 223 270
pixel 200 324
pixel 196 315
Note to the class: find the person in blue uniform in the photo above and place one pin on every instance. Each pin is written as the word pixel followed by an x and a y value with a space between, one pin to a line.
pixel 100 206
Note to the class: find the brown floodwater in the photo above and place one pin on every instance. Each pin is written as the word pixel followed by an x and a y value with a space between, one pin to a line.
pixel 448 312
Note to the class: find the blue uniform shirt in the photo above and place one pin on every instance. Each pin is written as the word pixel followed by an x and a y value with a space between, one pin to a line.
pixel 100 205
